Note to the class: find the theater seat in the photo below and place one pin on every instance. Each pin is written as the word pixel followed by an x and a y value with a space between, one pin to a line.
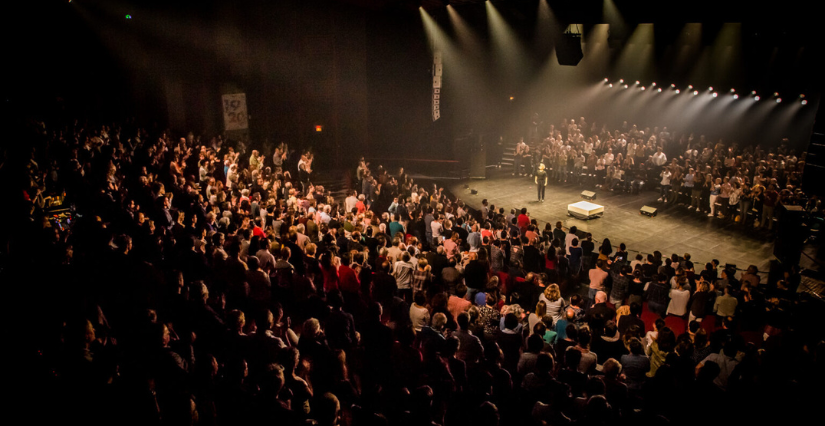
pixel 503 279
pixel 648 317
pixel 754 337
pixel 709 324
pixel 677 324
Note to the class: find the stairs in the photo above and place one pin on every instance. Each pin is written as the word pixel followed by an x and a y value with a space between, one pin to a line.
pixel 508 155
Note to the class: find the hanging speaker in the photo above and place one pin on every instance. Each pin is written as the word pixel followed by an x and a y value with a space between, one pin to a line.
pixel 569 49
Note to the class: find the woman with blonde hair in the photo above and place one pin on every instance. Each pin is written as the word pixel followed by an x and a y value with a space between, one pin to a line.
pixel 535 317
pixel 620 312
pixel 555 304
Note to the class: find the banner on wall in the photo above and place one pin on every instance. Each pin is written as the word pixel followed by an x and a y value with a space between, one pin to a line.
pixel 234 112
pixel 437 69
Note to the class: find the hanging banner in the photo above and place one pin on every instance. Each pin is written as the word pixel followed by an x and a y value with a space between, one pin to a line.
pixel 234 112
pixel 437 69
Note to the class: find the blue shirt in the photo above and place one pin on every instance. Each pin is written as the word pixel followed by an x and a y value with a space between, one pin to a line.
pixel 561 329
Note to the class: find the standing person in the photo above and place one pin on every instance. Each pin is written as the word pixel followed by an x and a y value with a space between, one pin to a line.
pixel 769 200
pixel 745 203
pixel 598 276
pixel 715 189
pixel 518 157
pixel 541 181
pixel 725 190
pixel 692 190
pixel 665 183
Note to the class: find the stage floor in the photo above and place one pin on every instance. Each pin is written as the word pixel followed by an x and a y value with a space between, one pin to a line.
pixel 673 230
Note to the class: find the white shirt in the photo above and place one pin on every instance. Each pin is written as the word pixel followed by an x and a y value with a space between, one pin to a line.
pixel 678 302
pixel 436 227
pixel 419 316
pixel 568 241
pixel 666 177
pixel 659 159
pixel 349 203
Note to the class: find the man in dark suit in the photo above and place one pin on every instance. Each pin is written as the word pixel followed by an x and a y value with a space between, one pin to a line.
pixel 599 313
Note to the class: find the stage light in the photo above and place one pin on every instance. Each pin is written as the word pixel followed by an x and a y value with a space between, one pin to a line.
pixel 621 80
pixel 660 90
pixel 804 102
pixel 672 86
pixel 776 94
pixel 625 86
pixel 653 84
pixel 778 100
pixel 637 82
pixel 690 87
pixel 128 16
pixel 802 96
pixel 715 94
pixel 710 89
pixel 733 90
pixel 610 85
pixel 643 88
pixel 606 80
pixel 695 92
pixel 753 93
pixel 677 91
pixel 756 98
pixel 735 96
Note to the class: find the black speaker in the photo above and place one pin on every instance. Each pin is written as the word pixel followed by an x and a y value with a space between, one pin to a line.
pixel 814 172
pixel 790 234
pixel 478 164
pixel 473 191
pixel 588 195
pixel 569 49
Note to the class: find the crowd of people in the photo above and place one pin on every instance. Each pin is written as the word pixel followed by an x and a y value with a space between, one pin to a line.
pixel 202 282
pixel 720 179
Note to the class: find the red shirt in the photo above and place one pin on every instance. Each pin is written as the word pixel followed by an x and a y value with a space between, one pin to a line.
pixel 330 278
pixel 457 305
pixel 347 279
pixel 770 198
pixel 523 222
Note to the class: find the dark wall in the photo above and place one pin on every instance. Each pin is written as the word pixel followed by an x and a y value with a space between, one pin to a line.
pixel 362 68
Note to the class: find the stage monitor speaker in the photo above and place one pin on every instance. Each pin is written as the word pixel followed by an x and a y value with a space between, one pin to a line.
pixel 790 234
pixel 588 195
pixel 473 191
pixel 569 49
pixel 648 211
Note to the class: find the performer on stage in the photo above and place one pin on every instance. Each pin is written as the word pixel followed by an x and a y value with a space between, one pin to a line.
pixel 541 181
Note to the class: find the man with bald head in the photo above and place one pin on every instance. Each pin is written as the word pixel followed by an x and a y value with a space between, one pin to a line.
pixel 599 312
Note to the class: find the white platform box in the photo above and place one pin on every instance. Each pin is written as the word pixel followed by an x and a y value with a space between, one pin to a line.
pixel 585 210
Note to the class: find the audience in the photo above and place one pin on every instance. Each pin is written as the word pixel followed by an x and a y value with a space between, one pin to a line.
pixel 197 282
